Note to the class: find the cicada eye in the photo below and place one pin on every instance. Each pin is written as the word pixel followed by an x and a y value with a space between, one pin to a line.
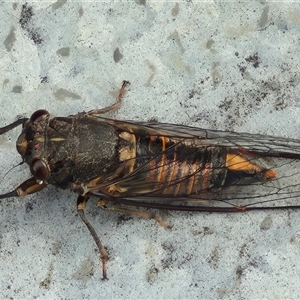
pixel 39 169
pixel 39 115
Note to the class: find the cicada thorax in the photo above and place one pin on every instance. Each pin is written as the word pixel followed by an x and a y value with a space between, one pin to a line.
pixel 81 148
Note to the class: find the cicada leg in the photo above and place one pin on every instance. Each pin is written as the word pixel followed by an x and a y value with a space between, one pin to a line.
pixel 81 204
pixel 138 213
pixel 115 106
pixel 29 186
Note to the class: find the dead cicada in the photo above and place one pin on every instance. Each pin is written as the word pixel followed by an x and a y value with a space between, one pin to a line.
pixel 154 165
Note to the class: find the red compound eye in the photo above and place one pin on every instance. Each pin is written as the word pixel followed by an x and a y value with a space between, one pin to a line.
pixel 39 115
pixel 39 169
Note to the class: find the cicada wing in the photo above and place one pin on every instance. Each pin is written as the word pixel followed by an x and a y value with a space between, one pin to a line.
pixel 153 180
pixel 263 145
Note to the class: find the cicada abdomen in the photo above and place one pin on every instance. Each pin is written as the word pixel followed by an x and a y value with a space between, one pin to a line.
pixel 182 169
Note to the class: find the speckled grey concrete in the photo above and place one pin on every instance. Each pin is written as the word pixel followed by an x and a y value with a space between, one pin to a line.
pixel 230 66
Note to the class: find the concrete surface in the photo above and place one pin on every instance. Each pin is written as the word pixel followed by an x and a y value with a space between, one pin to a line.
pixel 228 66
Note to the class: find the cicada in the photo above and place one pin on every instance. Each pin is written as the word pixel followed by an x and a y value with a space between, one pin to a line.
pixel 155 165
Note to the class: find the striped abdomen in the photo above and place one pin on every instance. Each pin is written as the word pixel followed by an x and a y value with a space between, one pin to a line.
pixel 180 168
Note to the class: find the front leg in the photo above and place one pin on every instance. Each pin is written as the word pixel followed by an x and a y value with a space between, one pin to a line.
pixel 28 187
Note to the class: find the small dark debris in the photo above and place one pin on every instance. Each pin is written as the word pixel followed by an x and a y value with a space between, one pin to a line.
pixel 263 21
pixel 263 95
pixel 58 4
pixel 56 248
pixel 226 104
pixel 10 40
pixel 242 69
pixel 253 59
pixel 152 273
pixel 243 250
pixel 110 11
pixel 186 259
pixel 214 258
pixel 203 231
pixel 167 261
pixel 47 281
pixel 175 10
pixel 65 51
pixel 25 18
pixel 168 247
pixel 254 263
pixel 192 94
pixel 122 219
pixel 117 55
pixel 209 43
pixel 280 103
pixel 140 2
pixel 239 272
pixel 26 15
pixel 80 11
pixel 17 89
pixel 28 207
pixel 44 79
pixel 266 224
pixel 35 37
pixel 153 119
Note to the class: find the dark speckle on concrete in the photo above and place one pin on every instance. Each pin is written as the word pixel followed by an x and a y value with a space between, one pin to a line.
pixel 117 55
pixel 10 39
pixel 63 51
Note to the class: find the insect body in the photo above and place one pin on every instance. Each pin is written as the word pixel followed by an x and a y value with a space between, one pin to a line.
pixel 155 165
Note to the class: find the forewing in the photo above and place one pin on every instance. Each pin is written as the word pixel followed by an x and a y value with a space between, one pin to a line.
pixel 279 154
pixel 263 144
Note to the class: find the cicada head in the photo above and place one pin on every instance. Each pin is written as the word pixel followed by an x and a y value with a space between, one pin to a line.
pixel 30 144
